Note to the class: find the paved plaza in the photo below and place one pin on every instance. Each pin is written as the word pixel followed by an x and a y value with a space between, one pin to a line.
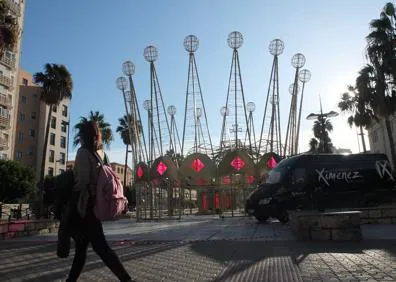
pixel 206 248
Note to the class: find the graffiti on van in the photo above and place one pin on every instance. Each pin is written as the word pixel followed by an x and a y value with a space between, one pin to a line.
pixel 347 176
pixel 382 168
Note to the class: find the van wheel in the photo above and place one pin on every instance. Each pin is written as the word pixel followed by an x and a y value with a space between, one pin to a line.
pixel 283 216
pixel 261 218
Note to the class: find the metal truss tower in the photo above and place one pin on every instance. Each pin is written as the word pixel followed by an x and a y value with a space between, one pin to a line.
pixel 270 136
pixel 135 130
pixel 174 140
pixel 304 76
pixel 235 115
pixel 158 120
pixel 196 137
pixel 251 107
pixel 291 142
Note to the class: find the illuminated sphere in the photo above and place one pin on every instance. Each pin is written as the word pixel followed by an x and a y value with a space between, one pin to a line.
pixel 251 106
pixel 121 83
pixel 198 112
pixel 172 110
pixel 304 75
pixel 147 105
pixel 291 88
pixel 276 47
pixel 127 94
pixel 224 111
pixel 298 60
pixel 150 53
pixel 235 40
pixel 191 43
pixel 128 68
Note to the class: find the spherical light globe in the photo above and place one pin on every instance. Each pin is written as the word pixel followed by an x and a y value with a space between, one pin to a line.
pixel 171 110
pixel 251 106
pixel 150 53
pixel 298 60
pixel 304 75
pixel 147 105
pixel 235 40
pixel 128 68
pixel 276 47
pixel 121 83
pixel 191 43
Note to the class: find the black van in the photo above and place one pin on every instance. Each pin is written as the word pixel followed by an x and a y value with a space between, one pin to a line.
pixel 319 181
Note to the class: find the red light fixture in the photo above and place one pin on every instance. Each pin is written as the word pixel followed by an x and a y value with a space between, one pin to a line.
pixel 161 168
pixel 197 165
pixel 237 163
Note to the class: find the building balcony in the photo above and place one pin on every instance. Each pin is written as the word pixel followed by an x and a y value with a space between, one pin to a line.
pixel 4 122
pixel 6 81
pixel 14 7
pixel 9 62
pixel 3 144
pixel 5 101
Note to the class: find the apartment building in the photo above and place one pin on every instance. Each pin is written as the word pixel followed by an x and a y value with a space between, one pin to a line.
pixel 9 66
pixel 32 115
pixel 119 169
pixel 378 137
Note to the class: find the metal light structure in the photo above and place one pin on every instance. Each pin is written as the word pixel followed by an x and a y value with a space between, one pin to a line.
pixel 271 119
pixel 304 76
pixel 159 125
pixel 195 128
pixel 236 119
pixel 291 143
pixel 174 140
pixel 224 137
pixel 135 123
pixel 251 107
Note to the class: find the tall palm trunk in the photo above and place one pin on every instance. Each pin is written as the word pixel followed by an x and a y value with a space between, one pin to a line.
pixel 391 141
pixel 363 141
pixel 44 158
pixel 126 166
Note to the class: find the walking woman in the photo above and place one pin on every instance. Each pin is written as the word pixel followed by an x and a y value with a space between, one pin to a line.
pixel 84 227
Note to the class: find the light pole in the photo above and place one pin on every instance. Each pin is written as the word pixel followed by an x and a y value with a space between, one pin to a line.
pixel 321 118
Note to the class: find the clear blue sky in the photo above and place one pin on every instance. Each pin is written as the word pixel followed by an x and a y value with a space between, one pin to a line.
pixel 94 37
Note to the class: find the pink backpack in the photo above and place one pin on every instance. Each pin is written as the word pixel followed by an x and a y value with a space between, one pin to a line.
pixel 110 200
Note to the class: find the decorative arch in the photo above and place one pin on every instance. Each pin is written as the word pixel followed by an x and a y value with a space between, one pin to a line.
pixel 198 170
pixel 237 163
pixel 163 167
pixel 141 173
pixel 267 162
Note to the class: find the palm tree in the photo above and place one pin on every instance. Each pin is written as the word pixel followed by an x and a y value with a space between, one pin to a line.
pixel 105 128
pixel 321 128
pixel 9 31
pixel 381 51
pixel 123 130
pixel 56 84
pixel 313 145
pixel 353 102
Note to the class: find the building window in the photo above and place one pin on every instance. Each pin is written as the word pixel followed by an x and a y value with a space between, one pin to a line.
pixel 22 117
pixel 63 142
pixel 33 115
pixel 30 151
pixel 61 171
pixel 62 158
pixel 54 108
pixel 50 171
pixel 20 136
pixel 52 139
pixel 51 156
pixel 53 122
pixel 25 82
pixel 23 99
pixel 64 111
pixel 122 171
pixel 63 126
pixel 32 132
pixel 19 155
pixel 34 96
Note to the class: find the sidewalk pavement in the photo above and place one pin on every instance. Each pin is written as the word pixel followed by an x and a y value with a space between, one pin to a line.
pixel 210 249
